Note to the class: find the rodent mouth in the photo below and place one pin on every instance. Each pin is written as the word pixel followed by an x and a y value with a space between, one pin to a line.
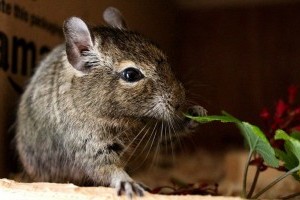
pixel 171 124
pixel 168 117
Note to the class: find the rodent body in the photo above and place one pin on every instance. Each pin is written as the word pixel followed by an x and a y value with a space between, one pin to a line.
pixel 92 103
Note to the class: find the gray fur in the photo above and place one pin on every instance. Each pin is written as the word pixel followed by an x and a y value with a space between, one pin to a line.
pixel 84 124
pixel 114 18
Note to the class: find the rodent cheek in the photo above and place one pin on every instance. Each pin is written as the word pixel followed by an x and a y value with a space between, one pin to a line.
pixel 127 85
pixel 131 95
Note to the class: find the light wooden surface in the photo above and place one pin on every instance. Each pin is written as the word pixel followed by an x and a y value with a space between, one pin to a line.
pixel 11 190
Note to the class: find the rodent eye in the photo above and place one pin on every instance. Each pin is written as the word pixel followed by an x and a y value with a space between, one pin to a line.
pixel 131 75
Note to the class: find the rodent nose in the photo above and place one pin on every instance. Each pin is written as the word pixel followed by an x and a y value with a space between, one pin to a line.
pixel 177 107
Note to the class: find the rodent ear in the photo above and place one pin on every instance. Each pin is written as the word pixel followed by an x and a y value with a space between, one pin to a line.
pixel 113 17
pixel 79 44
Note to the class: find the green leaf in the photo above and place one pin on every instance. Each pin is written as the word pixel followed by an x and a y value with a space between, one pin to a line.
pixel 291 143
pixel 253 135
pixel 295 135
pixel 289 159
pixel 221 118
pixel 291 156
pixel 258 142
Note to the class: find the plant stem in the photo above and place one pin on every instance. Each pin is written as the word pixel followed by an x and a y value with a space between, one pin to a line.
pixel 254 183
pixel 291 196
pixel 276 181
pixel 246 174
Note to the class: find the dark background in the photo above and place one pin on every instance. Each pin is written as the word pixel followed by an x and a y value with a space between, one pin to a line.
pixel 238 58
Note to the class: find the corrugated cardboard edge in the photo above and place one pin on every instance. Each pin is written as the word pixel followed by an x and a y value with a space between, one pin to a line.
pixel 12 190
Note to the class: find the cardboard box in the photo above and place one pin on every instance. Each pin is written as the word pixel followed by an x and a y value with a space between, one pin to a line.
pixel 26 34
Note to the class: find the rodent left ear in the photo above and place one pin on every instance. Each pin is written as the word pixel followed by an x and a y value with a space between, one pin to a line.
pixel 79 44
pixel 113 17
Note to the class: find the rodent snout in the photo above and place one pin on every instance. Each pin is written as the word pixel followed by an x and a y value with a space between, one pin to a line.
pixel 179 96
pixel 174 95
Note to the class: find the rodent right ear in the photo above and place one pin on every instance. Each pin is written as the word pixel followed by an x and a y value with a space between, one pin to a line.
pixel 113 17
pixel 79 44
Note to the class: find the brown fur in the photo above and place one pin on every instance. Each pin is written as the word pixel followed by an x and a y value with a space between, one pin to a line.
pixel 84 126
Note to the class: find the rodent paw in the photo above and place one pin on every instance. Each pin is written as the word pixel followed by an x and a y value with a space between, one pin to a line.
pixel 196 110
pixel 129 188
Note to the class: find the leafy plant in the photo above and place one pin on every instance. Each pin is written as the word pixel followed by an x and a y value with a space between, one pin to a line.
pixel 267 148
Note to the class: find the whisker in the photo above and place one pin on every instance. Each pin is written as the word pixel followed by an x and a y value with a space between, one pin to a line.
pixel 145 158
pixel 136 147
pixel 137 135
pixel 197 97
pixel 157 149
pixel 171 142
pixel 150 110
pixel 166 139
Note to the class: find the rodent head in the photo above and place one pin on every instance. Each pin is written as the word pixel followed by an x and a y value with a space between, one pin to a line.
pixel 122 73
